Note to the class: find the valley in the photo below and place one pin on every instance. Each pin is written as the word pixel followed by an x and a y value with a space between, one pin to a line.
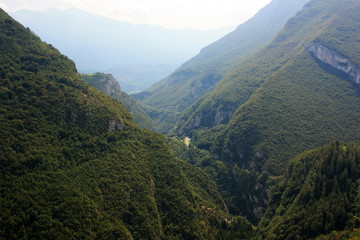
pixel 256 137
pixel 117 47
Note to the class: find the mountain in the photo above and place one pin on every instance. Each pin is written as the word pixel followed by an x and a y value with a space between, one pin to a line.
pixel 167 100
pixel 298 93
pixel 306 100
pixel 74 164
pixel 317 197
pixel 110 86
pixel 100 44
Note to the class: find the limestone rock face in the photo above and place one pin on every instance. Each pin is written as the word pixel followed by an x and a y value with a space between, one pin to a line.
pixel 224 115
pixel 111 85
pixel 108 84
pixel 334 59
pixel 211 118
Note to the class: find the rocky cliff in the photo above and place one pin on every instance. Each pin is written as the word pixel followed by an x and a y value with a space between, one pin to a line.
pixel 213 117
pixel 109 85
pixel 334 59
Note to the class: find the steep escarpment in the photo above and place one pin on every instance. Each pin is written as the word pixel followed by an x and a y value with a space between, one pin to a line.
pixel 109 85
pixel 105 83
pixel 335 60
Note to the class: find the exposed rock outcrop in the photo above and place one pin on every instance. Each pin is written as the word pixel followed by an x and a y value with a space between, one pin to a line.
pixel 224 115
pixel 334 59
pixel 109 85
pixel 212 118
pixel 115 125
pixel 113 86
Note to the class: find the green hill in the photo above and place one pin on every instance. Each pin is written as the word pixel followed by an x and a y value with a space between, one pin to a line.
pixel 74 165
pixel 167 100
pixel 304 102
pixel 298 93
pixel 318 196
pixel 109 85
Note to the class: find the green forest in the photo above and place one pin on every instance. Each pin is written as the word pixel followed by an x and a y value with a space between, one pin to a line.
pixel 74 164
pixel 268 149
pixel 277 104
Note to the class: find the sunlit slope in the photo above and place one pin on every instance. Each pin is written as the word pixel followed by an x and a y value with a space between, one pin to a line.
pixel 168 99
pixel 74 165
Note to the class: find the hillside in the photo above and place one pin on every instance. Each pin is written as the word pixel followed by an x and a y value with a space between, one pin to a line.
pixel 74 165
pixel 318 196
pixel 298 93
pixel 100 44
pixel 110 86
pixel 306 102
pixel 167 100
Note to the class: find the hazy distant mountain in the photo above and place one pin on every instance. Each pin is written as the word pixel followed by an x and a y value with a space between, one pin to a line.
pixel 197 77
pixel 135 78
pixel 97 43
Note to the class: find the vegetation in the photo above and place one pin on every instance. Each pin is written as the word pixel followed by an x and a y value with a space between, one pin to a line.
pixel 318 195
pixel 74 165
pixel 316 21
pixel 197 77
pixel 109 85
pixel 284 102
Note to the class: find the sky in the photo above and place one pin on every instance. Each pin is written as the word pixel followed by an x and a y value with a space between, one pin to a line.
pixel 173 14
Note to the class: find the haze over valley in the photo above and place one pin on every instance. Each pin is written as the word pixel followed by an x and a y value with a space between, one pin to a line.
pixel 137 55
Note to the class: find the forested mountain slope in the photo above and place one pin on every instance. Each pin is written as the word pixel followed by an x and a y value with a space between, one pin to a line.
pixel 318 196
pixel 304 102
pixel 298 93
pixel 167 99
pixel 109 85
pixel 74 165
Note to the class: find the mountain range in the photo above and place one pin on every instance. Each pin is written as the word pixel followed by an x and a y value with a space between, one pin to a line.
pixel 298 92
pixel 268 150
pixel 100 44
pixel 172 96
